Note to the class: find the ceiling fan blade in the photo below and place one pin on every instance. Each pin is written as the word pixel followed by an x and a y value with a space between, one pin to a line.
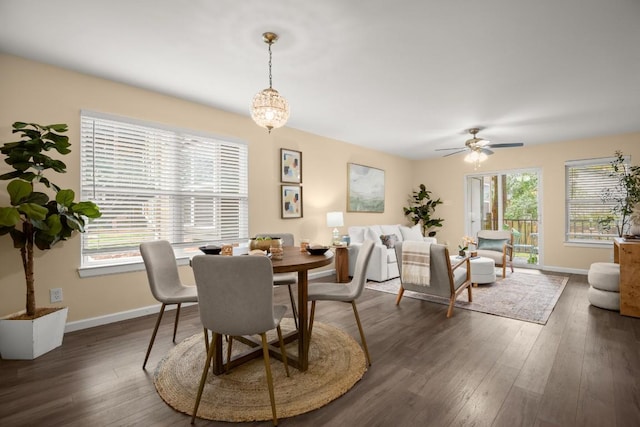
pixel 485 151
pixel 459 151
pixel 507 145
pixel 448 149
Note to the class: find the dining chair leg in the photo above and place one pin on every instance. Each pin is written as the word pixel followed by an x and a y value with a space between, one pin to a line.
pixel 229 345
pixel 311 316
pixel 153 336
pixel 175 325
pixel 283 350
pixel 205 370
pixel 293 307
pixel 206 339
pixel 364 341
pixel 267 367
pixel 400 293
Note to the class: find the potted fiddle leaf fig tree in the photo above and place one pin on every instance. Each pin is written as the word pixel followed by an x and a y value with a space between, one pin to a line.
pixel 36 219
pixel 421 210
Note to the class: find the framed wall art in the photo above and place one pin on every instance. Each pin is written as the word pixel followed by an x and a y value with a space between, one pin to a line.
pixel 291 201
pixel 365 188
pixel 290 166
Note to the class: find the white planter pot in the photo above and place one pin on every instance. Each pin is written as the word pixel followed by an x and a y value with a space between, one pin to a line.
pixel 28 339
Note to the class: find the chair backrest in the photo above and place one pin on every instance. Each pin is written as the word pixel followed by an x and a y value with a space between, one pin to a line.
pixel 440 274
pixel 494 240
pixel 440 267
pixel 287 238
pixel 162 268
pixel 235 294
pixel 359 277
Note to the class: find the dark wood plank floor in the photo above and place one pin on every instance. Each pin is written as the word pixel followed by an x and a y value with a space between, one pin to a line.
pixel 581 369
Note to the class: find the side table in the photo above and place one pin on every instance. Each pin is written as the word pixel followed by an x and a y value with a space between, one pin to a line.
pixel 341 260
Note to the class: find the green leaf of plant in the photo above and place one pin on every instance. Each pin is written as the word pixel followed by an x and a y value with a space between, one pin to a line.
pixel 18 237
pixel 59 127
pixel 38 198
pixel 55 226
pixel 88 209
pixel 65 197
pixel 33 211
pixel 10 175
pixel 18 191
pixel 9 217
pixel 74 223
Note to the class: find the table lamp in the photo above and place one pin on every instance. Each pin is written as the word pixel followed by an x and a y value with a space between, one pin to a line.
pixel 335 220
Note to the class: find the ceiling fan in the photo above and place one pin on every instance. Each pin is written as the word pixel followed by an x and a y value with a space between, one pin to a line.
pixel 478 148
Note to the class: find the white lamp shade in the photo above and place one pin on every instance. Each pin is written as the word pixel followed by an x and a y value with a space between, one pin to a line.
pixel 335 219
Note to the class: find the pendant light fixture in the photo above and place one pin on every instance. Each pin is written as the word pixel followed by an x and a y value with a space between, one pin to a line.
pixel 269 109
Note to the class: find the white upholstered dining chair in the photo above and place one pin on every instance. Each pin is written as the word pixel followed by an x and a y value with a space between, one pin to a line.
pixel 236 298
pixel 164 281
pixel 345 292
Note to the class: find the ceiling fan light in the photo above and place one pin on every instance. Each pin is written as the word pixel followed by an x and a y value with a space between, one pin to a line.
pixel 471 157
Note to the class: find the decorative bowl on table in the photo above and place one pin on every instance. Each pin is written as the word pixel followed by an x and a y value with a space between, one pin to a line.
pixel 317 250
pixel 211 249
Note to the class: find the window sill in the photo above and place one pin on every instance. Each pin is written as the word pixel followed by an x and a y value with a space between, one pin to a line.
pixel 104 270
pixel 593 245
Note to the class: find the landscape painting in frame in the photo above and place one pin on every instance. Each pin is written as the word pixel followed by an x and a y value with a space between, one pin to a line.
pixel 291 201
pixel 365 190
pixel 290 166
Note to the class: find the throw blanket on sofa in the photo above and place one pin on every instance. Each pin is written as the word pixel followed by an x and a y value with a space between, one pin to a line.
pixel 415 262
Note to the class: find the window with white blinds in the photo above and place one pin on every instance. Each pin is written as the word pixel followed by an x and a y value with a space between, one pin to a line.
pixel 156 183
pixel 590 219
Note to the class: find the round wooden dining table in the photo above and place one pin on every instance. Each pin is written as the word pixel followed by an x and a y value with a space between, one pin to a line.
pixel 293 260
pixel 301 262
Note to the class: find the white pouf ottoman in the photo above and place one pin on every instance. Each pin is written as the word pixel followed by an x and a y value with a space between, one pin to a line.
pixel 483 270
pixel 604 289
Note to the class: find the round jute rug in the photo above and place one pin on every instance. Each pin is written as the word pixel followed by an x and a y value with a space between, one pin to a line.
pixel 336 363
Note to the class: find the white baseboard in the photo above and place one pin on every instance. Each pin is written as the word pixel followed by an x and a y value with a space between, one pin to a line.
pixel 144 311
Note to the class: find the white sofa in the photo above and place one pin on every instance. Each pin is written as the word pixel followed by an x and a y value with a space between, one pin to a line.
pixel 383 264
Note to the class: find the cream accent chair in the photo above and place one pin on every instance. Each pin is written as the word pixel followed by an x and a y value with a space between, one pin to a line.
pixel 445 280
pixel 497 245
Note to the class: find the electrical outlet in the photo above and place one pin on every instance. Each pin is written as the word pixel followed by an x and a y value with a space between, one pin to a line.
pixel 55 295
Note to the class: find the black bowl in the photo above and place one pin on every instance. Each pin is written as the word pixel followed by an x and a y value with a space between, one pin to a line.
pixel 318 251
pixel 210 250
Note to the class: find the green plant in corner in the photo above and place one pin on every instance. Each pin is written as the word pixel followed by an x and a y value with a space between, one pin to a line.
pixel 625 194
pixel 421 209
pixel 33 218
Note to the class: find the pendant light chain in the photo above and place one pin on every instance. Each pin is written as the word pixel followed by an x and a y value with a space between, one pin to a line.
pixel 270 78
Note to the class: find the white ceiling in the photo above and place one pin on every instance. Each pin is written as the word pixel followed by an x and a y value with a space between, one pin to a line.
pixel 404 76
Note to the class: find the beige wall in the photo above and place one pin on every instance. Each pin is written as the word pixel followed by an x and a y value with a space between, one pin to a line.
pixel 44 94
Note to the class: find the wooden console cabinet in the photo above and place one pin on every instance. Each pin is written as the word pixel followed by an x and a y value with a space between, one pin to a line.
pixel 627 254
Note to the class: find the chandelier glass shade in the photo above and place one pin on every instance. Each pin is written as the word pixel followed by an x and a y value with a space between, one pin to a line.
pixel 269 109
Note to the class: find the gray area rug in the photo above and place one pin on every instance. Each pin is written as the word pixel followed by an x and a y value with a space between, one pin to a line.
pixel 527 295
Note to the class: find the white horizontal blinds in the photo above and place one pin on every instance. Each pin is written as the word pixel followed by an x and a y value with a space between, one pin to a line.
pixel 587 213
pixel 153 183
